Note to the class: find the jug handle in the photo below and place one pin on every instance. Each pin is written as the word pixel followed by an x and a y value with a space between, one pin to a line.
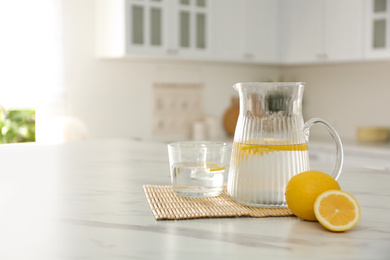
pixel 338 165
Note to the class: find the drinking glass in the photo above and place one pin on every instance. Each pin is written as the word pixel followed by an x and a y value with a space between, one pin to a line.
pixel 197 167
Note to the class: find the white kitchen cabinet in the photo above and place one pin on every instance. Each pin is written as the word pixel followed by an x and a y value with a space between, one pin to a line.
pixel 190 31
pixel 343 30
pixel 262 28
pixel 156 28
pixel 301 31
pixel 229 30
pixel 146 26
pixel 321 31
pixel 377 27
pixel 247 31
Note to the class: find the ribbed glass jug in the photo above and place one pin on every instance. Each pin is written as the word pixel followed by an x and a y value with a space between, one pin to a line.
pixel 271 143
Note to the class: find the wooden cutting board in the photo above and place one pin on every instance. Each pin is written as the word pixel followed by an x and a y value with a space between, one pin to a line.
pixel 231 115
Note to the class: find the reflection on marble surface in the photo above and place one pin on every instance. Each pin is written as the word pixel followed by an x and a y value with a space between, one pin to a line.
pixel 86 201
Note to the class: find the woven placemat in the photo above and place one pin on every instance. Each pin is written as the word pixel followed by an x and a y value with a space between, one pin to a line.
pixel 165 204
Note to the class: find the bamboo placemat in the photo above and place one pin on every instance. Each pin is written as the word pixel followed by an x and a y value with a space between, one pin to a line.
pixel 165 204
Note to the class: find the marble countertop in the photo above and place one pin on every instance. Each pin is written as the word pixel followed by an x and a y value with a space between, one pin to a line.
pixel 353 147
pixel 86 201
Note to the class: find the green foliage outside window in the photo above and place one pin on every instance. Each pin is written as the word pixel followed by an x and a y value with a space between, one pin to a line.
pixel 17 126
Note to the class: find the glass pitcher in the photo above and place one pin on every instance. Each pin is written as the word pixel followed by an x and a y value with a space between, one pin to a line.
pixel 271 143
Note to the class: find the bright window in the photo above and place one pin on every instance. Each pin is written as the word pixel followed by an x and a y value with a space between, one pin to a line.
pixel 31 62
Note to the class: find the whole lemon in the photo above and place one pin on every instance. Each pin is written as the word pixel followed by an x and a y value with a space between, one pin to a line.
pixel 303 189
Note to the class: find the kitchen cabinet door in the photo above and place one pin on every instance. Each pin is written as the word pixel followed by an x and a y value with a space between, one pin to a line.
pixel 146 27
pixel 322 31
pixel 247 31
pixel 302 37
pixel 191 22
pixel 377 28
pixel 343 27
pixel 262 28
pixel 229 30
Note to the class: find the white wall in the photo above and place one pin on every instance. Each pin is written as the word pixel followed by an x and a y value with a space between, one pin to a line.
pixel 346 95
pixel 114 97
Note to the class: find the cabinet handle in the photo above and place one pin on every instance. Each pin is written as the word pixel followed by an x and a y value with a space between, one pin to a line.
pixel 173 51
pixel 249 56
pixel 322 56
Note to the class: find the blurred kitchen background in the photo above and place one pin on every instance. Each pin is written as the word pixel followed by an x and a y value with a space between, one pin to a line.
pixel 164 69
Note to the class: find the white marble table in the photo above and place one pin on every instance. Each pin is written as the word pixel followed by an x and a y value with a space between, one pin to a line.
pixel 85 201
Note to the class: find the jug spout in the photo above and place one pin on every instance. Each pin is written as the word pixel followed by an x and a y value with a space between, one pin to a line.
pixel 237 86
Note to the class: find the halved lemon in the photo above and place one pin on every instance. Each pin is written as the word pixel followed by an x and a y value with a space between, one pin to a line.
pixel 337 210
